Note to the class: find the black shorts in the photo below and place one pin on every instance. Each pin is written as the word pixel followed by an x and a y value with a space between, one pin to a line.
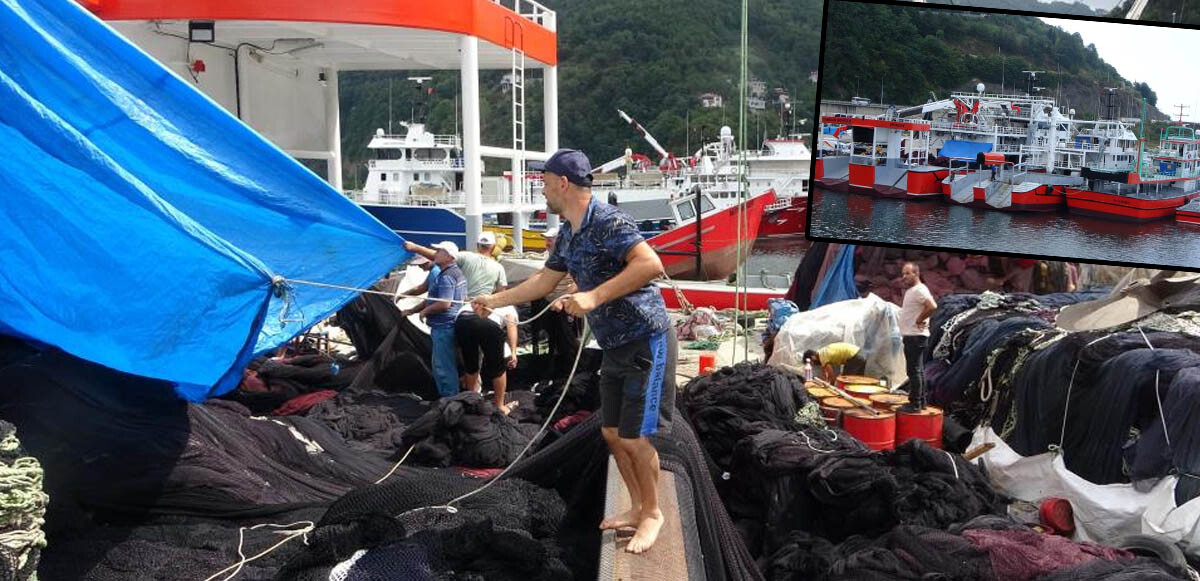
pixel 476 335
pixel 637 386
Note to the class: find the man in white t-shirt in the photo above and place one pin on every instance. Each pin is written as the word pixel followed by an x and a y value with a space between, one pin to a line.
pixel 483 273
pixel 914 327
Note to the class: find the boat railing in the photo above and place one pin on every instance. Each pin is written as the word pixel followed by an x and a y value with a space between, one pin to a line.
pixel 532 11
pixel 864 160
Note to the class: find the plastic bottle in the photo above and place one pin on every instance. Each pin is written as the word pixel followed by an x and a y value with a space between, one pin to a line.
pixel 808 370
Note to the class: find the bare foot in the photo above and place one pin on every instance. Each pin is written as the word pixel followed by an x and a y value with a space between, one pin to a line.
pixel 509 407
pixel 647 533
pixel 625 520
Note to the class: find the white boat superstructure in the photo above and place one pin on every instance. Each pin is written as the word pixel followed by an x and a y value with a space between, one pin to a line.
pixel 417 168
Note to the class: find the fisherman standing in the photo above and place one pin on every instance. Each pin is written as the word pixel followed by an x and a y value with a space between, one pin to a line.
pixel 612 265
pixel 915 311
pixel 439 310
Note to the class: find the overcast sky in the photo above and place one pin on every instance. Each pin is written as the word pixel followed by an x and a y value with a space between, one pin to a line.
pixel 1160 57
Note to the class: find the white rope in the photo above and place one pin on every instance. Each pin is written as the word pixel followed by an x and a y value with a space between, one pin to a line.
pixel 291 534
pixel 1062 435
pixel 393 470
pixel 391 295
pixel 1157 393
pixel 952 463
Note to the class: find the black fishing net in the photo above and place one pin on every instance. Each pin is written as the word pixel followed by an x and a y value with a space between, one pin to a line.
pixel 370 420
pixel 739 401
pixel 466 430
pixel 396 354
pixel 507 531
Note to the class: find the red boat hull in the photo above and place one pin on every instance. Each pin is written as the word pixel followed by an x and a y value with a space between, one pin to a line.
pixel 1042 198
pixel 720 297
pixel 1185 217
pixel 785 222
pixel 1122 208
pixel 719 241
pixel 862 178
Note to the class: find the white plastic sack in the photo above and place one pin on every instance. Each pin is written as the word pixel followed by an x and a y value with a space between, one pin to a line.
pixel 871 323
pixel 1103 512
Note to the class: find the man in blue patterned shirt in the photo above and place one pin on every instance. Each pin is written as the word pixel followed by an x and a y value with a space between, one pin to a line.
pixel 613 266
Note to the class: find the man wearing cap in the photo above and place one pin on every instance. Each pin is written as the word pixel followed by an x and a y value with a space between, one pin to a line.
pixel 429 267
pixel 439 313
pixel 484 274
pixel 613 267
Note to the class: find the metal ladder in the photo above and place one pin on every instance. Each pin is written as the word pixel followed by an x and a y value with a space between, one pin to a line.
pixel 518 117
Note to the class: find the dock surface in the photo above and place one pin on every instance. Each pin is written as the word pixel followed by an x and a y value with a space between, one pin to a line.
pixel 667 559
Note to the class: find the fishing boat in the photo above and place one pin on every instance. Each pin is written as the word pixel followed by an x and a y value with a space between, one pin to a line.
pixel 717 168
pixel 1153 188
pixel 1189 213
pixel 720 240
pixel 883 151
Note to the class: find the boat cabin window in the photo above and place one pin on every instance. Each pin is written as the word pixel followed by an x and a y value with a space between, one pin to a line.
pixel 687 210
pixel 388 153
pixel 396 177
pixel 383 176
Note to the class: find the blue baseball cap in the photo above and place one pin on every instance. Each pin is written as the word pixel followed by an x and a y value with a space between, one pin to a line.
pixel 569 163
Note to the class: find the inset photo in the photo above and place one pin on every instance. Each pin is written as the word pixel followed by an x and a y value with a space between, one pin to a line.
pixel 987 131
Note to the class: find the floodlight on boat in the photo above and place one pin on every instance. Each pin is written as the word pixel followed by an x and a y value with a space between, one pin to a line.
pixel 201 31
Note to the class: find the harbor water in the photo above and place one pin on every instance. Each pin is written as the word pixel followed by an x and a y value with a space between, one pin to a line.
pixel 867 219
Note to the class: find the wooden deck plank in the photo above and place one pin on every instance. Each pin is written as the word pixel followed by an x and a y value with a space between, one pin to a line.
pixel 666 560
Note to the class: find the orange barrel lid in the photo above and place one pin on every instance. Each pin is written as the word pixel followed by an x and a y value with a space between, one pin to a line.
pixel 864 414
pixel 820 393
pixel 857 380
pixel 868 390
pixel 841 402
pixel 889 398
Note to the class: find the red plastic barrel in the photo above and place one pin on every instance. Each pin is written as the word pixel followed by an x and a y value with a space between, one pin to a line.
pixel 708 362
pixel 924 425
pixel 878 432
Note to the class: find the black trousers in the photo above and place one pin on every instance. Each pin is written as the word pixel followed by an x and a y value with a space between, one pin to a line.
pixel 475 334
pixel 562 334
pixel 914 359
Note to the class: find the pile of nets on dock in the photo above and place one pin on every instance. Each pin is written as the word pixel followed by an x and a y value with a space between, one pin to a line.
pixel 812 502
pixel 1115 401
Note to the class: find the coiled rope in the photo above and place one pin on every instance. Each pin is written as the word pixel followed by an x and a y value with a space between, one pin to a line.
pixel 22 501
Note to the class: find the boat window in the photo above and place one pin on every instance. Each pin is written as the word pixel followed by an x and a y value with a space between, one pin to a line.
pixel 388 153
pixel 686 211
pixel 383 176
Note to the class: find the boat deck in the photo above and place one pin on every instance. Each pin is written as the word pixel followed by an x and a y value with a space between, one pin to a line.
pixel 1149 193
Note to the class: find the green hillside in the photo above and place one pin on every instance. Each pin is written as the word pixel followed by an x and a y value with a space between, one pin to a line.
pixel 1057 7
pixel 914 52
pixel 651 59
pixel 1177 11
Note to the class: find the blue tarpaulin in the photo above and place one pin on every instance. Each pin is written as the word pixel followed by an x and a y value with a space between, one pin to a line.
pixel 142 225
pixel 838 284
pixel 954 149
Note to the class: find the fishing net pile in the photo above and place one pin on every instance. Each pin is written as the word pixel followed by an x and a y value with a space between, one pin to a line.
pixel 1116 402
pixel 467 430
pixel 814 503
pixel 985 548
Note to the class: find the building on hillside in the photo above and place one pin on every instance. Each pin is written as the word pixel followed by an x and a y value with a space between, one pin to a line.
pixel 711 101
pixel 758 88
pixel 812 76
pixel 758 103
